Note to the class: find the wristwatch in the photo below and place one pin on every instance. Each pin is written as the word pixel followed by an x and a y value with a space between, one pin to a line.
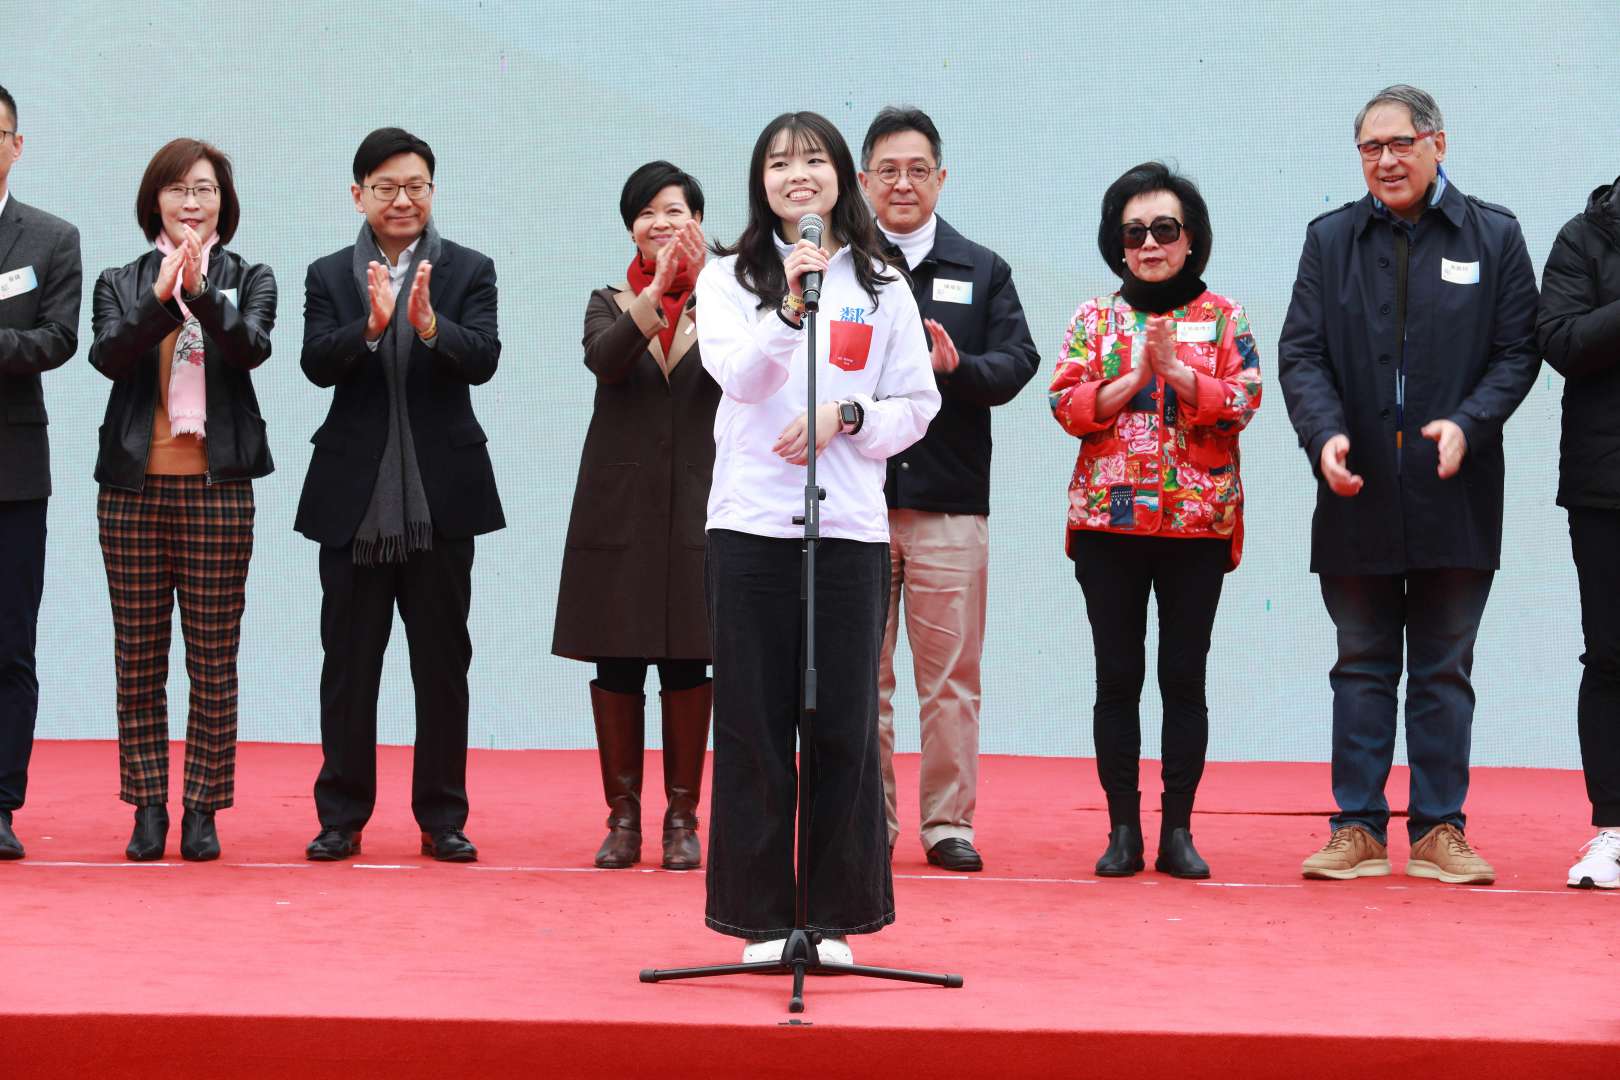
pixel 850 417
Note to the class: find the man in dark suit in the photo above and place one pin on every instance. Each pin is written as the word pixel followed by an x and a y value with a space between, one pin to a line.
pixel 399 324
pixel 939 489
pixel 40 280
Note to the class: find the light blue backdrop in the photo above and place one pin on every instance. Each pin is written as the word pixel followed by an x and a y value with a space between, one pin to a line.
pixel 538 111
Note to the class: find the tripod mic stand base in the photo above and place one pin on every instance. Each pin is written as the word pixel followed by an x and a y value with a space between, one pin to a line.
pixel 799 958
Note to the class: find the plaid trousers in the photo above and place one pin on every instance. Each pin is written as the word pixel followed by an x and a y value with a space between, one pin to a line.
pixel 184 536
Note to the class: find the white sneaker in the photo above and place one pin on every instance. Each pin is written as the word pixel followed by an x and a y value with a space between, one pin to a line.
pixel 763 950
pixel 1599 867
pixel 835 950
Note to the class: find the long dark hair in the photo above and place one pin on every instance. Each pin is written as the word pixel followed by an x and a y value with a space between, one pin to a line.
pixel 759 265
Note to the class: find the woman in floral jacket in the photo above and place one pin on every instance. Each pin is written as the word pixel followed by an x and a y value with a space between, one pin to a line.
pixel 1156 380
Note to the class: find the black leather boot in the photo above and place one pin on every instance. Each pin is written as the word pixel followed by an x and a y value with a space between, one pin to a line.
pixel 1177 856
pixel 151 834
pixel 199 842
pixel 1124 855
pixel 619 730
pixel 686 744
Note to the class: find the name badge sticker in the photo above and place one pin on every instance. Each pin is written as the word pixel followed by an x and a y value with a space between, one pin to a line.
pixel 1459 273
pixel 17 282
pixel 947 291
pixel 1195 331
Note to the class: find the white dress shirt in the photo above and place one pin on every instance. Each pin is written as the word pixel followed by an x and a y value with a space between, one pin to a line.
pixel 759 362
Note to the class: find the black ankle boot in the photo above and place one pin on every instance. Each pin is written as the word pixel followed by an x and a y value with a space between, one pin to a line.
pixel 1177 856
pixel 199 842
pixel 1124 855
pixel 151 834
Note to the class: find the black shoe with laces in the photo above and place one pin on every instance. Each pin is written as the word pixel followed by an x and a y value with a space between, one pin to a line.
pixel 332 845
pixel 449 845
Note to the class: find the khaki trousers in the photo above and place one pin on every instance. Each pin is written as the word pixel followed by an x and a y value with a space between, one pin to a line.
pixel 938 565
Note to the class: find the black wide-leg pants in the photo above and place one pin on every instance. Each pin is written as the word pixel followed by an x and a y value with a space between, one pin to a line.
pixel 756 620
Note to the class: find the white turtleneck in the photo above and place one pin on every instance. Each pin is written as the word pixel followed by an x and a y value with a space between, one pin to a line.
pixel 916 244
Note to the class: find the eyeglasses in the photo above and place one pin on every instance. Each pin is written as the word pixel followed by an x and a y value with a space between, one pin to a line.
pixel 1400 146
pixel 1166 230
pixel 3 134
pixel 416 190
pixel 181 192
pixel 917 174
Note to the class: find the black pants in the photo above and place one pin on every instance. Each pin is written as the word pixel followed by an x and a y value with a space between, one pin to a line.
pixel 757 622
pixel 1116 573
pixel 1595 537
pixel 434 592
pixel 628 675
pixel 22 581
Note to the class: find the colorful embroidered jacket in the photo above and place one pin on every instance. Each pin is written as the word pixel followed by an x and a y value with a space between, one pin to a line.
pixel 1162 465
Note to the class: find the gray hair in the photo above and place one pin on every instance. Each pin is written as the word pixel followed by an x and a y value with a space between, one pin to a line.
pixel 1425 113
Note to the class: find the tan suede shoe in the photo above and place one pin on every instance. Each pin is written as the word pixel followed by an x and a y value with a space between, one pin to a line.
pixel 1350 853
pixel 1443 854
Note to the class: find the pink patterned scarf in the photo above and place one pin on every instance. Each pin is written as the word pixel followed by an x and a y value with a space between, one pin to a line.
pixel 188 386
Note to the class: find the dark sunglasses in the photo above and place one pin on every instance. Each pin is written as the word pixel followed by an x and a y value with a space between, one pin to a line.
pixel 1166 230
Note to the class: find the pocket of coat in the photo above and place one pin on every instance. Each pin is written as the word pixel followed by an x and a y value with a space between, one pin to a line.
pixel 327 438
pixel 27 414
pixel 851 345
pixel 605 508
pixel 468 433
pixel 694 511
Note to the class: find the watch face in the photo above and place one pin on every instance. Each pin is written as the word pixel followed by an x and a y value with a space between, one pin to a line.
pixel 847 414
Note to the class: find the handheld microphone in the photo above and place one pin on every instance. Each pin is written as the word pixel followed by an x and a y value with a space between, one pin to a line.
pixel 810 228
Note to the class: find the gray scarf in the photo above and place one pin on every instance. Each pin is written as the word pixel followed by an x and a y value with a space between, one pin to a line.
pixel 397 522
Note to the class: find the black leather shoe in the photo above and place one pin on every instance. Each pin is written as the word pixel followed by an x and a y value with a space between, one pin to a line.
pixel 954 853
pixel 10 846
pixel 449 845
pixel 1178 857
pixel 151 834
pixel 199 842
pixel 1124 855
pixel 332 845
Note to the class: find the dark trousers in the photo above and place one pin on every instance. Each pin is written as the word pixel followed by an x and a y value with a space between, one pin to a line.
pixel 179 537
pixel 1185 575
pixel 1595 537
pixel 1435 614
pixel 434 592
pixel 628 675
pixel 757 623
pixel 22 582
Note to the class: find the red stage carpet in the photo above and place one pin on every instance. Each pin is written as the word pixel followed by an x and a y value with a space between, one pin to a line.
pixel 526 963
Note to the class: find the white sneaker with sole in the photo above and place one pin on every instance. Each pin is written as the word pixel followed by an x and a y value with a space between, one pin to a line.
pixel 835 950
pixel 1599 867
pixel 761 950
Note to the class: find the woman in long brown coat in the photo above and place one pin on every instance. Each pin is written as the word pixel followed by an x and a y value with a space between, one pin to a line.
pixel 632 577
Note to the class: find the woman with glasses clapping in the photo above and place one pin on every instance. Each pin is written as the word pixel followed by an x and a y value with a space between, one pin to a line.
pixel 1156 380
pixel 178 330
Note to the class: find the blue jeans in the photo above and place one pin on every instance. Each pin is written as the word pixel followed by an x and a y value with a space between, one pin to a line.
pixel 1435 614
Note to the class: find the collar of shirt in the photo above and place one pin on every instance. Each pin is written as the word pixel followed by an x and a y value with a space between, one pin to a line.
pixel 4 199
pixel 783 247
pixel 397 271
pixel 1437 191
pixel 916 244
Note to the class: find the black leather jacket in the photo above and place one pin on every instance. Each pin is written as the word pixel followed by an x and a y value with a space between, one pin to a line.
pixel 236 312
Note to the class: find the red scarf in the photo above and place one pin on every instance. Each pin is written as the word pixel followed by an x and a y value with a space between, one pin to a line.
pixel 674 302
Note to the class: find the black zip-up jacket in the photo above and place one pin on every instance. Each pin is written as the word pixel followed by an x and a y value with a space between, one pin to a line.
pixel 1579 330
pixel 947 471
pixel 130 323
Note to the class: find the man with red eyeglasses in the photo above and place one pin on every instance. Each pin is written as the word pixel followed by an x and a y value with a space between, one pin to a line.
pixel 1409 342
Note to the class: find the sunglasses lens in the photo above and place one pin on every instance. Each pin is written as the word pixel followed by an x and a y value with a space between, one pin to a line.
pixel 1165 231
pixel 1134 236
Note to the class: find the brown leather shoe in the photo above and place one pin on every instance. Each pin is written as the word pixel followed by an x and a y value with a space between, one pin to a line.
pixel 619 746
pixel 1351 852
pixel 1443 853
pixel 686 744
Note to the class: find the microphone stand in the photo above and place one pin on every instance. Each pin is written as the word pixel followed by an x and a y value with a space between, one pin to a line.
pixel 799 955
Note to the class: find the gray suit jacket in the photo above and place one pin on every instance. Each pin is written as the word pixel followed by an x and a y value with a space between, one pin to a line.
pixel 39 330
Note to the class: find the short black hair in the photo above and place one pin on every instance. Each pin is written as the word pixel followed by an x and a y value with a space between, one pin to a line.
pixel 645 184
pixel 892 120
pixel 383 144
pixel 1148 177
pixel 9 102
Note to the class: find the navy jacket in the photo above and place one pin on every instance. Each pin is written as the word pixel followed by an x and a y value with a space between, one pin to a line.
pixel 1580 337
pixel 947 471
pixel 1470 355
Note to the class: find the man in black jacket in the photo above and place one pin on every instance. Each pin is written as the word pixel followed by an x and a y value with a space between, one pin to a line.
pixel 400 325
pixel 40 283
pixel 1409 342
pixel 939 489
pixel 1579 330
